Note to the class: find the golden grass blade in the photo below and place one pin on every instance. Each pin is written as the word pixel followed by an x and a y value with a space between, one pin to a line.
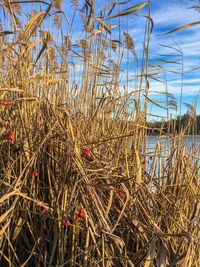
pixel 7 196
pixel 34 23
pixel 31 24
pixel 184 27
pixel 4 216
pixel 103 25
pixel 18 228
pixel 4 228
pixel 138 178
pixel 10 89
pixel 46 76
pixel 130 10
pixel 33 44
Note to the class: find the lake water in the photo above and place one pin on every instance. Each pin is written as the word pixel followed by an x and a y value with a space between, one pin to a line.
pixel 190 142
pixel 165 147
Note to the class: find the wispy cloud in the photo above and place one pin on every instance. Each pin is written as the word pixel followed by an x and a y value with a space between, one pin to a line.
pixel 172 13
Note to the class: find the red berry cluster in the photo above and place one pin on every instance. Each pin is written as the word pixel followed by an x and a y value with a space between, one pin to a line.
pixel 86 153
pixel 5 104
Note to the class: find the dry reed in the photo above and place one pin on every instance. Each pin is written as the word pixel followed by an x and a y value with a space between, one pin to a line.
pixel 78 186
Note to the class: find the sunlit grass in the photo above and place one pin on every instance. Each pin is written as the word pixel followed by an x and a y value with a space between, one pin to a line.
pixel 78 185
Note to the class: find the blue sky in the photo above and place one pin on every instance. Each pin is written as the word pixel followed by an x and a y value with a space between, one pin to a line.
pixel 167 15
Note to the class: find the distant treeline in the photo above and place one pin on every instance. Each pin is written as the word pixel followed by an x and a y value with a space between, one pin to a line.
pixel 187 123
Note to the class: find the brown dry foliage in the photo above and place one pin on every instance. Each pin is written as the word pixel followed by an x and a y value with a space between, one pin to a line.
pixel 79 146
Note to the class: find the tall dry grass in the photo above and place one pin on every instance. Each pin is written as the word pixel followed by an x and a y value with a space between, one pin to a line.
pixel 78 186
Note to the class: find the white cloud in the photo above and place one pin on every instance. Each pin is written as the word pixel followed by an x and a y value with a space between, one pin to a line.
pixel 188 81
pixel 173 88
pixel 173 13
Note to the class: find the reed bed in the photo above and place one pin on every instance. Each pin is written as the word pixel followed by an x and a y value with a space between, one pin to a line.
pixel 78 186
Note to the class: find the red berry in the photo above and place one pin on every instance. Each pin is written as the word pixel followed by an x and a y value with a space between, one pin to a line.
pixel 6 104
pixel 81 213
pixel 78 219
pixel 94 181
pixel 11 137
pixel 85 153
pixel 66 223
pixel 35 172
